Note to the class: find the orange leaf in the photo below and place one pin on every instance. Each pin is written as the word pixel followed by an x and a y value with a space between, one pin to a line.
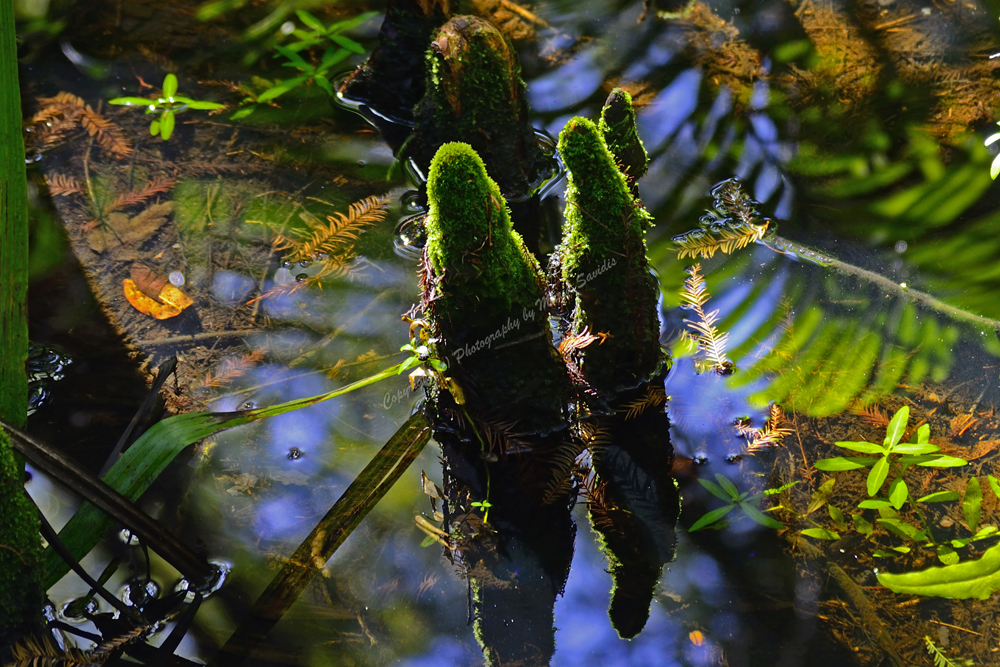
pixel 169 302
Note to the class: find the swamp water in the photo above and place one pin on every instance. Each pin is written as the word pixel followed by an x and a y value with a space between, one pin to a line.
pixel 858 127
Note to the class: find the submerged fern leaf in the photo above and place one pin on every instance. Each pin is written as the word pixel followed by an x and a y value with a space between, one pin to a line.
pixel 336 237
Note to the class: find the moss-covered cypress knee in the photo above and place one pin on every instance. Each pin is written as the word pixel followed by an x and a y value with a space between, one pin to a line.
pixel 602 265
pixel 475 95
pixel 618 128
pixel 484 295
pixel 392 80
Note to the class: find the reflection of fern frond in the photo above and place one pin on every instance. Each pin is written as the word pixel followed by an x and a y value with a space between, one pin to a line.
pixel 565 466
pixel 941 660
pixel 771 433
pixel 723 237
pixel 654 397
pixel 733 202
pixel 336 237
pixel 231 369
pixel 710 341
pixel 44 652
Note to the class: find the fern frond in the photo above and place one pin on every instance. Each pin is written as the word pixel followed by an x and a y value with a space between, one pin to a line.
pixel 941 660
pixel 733 202
pixel 725 237
pixel 565 465
pixel 62 186
pixel 710 341
pixel 108 134
pixel 101 654
pixel 872 414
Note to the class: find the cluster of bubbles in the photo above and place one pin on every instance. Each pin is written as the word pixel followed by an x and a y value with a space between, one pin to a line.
pixel 289 271
pixel 44 366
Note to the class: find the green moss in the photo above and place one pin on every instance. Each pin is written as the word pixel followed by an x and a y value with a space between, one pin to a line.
pixel 475 94
pixel 20 552
pixel 602 263
pixel 484 292
pixel 618 128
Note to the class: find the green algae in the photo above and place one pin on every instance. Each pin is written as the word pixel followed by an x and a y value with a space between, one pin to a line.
pixel 617 126
pixel 602 267
pixel 475 94
pixel 485 293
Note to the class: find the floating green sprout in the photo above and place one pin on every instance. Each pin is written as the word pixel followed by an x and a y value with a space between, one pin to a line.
pixel 167 106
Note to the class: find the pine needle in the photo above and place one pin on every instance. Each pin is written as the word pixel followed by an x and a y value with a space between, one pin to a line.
pixel 708 339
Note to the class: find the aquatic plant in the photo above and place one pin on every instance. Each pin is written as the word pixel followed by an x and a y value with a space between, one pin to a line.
pixel 729 493
pixel 168 105
pixel 705 335
pixel 892 456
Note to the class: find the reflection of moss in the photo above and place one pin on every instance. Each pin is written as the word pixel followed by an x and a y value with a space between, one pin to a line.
pixel 484 293
pixel 602 260
pixel 475 94
pixel 20 552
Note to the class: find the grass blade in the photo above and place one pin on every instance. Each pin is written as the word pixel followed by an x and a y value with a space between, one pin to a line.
pixel 361 496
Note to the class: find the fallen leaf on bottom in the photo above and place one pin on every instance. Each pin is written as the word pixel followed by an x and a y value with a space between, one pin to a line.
pixel 169 302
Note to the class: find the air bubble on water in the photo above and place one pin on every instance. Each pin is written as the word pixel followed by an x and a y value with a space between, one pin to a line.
pixel 320 256
pixel 287 263
pixel 294 453
pixel 248 405
pixel 64 614
pixel 176 278
pixel 306 263
pixel 701 458
pixel 901 246
pixel 302 277
pixel 362 163
pixel 126 536
pixel 287 28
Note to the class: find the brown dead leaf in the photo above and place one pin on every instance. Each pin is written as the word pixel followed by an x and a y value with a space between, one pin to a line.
pixel 981 449
pixel 119 229
pixel 153 295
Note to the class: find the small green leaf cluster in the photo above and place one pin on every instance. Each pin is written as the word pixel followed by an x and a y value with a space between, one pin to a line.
pixel 891 456
pixel 318 68
pixel 167 106
pixel 728 492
